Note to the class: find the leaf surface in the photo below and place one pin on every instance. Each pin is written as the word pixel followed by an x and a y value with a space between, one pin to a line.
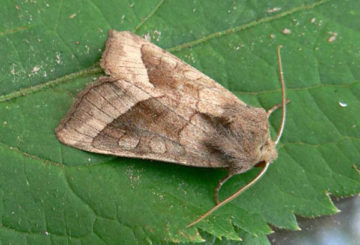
pixel 51 193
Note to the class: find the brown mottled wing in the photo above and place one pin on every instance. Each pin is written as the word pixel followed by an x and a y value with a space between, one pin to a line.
pixel 151 106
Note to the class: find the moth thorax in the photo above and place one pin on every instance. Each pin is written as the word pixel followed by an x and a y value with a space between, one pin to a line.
pixel 242 138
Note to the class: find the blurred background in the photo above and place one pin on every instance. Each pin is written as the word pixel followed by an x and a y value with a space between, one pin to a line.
pixel 340 229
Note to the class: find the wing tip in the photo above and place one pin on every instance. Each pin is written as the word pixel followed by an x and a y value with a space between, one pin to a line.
pixel 60 130
pixel 61 135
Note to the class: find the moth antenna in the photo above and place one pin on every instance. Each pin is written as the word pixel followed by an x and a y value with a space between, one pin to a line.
pixel 283 96
pixel 232 197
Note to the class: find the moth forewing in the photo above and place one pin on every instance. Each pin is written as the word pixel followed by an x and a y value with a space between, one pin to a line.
pixel 152 105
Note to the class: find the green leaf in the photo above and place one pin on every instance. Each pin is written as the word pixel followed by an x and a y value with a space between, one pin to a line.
pixel 50 50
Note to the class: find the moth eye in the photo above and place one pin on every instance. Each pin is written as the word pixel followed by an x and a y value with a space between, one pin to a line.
pixel 262 146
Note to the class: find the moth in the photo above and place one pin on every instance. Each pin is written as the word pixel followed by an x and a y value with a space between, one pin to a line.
pixel 152 105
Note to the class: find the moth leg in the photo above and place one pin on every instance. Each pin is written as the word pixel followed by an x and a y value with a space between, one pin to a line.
pixel 218 187
pixel 275 107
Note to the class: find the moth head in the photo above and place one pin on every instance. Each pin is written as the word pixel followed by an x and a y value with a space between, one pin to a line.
pixel 268 151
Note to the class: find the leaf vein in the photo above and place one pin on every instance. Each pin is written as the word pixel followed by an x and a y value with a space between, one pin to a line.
pixel 28 155
pixel 32 89
pixel 246 26
pixel 14 30
pixel 152 12
pixel 101 13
